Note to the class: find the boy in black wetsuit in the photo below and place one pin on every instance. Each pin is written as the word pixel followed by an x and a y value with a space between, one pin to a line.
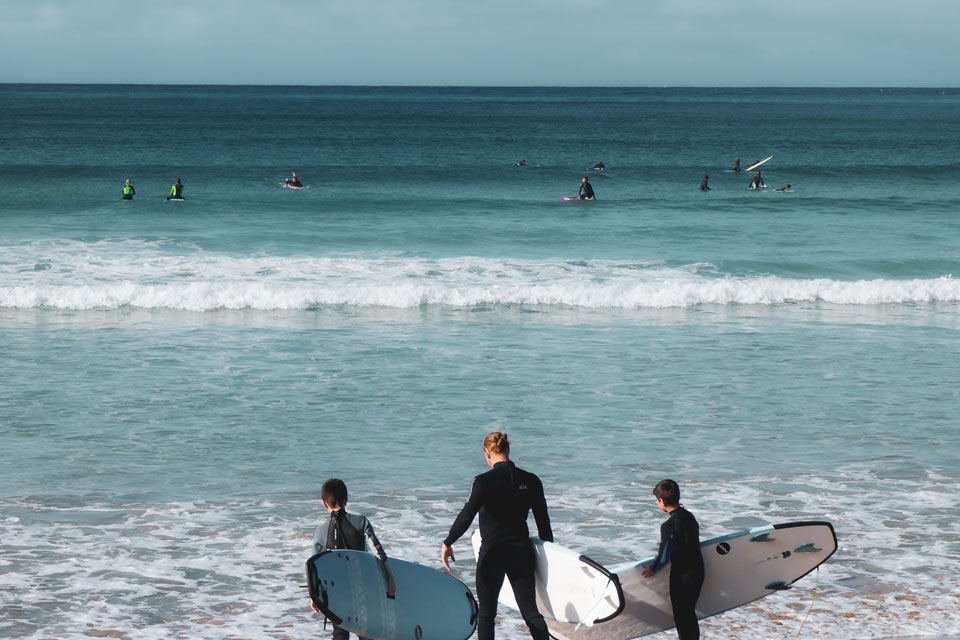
pixel 586 190
pixel 346 531
pixel 680 546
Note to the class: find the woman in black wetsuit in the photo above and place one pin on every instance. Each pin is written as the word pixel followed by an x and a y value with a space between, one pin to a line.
pixel 503 497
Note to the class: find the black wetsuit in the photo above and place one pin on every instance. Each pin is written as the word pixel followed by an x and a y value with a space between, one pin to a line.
pixel 586 191
pixel 680 545
pixel 503 497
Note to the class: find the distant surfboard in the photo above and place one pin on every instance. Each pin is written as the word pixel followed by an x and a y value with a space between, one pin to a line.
pixel 740 568
pixel 570 587
pixel 349 587
pixel 569 197
pixel 757 164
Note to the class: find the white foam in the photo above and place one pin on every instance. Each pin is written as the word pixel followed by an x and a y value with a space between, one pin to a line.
pixel 109 275
pixel 235 569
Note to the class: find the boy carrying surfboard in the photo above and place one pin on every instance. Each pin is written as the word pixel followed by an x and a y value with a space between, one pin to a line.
pixel 346 531
pixel 680 546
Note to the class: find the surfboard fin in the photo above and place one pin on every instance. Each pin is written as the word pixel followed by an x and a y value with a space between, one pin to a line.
pixel 807 548
pixel 762 537
pixel 779 585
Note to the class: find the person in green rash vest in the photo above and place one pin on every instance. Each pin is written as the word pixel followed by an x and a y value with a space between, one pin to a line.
pixel 176 191
pixel 128 191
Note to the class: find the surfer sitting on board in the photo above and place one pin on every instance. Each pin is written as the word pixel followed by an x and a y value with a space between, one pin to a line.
pixel 680 546
pixel 586 190
pixel 600 166
pixel 703 185
pixel 736 165
pixel 176 191
pixel 346 531
pixel 503 497
pixel 128 191
pixel 757 182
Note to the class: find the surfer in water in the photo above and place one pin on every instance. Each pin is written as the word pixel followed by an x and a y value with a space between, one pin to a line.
pixel 703 185
pixel 294 182
pixel 785 189
pixel 757 182
pixel 520 163
pixel 503 497
pixel 176 191
pixel 347 531
pixel 128 191
pixel 599 166
pixel 736 165
pixel 680 546
pixel 586 190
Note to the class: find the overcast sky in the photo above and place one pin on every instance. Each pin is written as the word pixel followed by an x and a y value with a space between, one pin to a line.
pixel 484 42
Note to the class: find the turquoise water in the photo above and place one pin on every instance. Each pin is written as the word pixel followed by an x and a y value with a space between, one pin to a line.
pixel 179 378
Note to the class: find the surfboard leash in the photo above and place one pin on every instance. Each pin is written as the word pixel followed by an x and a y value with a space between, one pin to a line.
pixel 810 610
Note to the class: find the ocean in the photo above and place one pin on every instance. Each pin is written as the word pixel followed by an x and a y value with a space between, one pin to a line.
pixel 179 378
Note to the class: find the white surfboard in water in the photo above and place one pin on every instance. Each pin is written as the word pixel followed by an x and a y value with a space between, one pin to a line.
pixel 739 568
pixel 757 164
pixel 570 587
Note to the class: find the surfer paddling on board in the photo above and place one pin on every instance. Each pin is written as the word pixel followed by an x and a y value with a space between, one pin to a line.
pixel 680 546
pixel 347 531
pixel 176 191
pixel 293 182
pixel 785 189
pixel 586 190
pixel 520 163
pixel 503 497
pixel 703 185
pixel 128 191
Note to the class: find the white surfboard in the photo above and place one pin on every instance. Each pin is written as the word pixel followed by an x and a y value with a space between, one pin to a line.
pixel 350 588
pixel 757 164
pixel 739 569
pixel 570 587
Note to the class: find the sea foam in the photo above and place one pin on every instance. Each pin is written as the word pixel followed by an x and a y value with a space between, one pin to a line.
pixel 78 279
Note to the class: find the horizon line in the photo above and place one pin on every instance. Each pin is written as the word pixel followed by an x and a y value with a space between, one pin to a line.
pixel 474 86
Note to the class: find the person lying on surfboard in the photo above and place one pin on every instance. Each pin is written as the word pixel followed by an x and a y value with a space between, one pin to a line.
pixel 294 181
pixel 586 190
pixel 785 189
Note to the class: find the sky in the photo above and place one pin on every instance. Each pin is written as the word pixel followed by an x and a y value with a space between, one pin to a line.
pixel 820 43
